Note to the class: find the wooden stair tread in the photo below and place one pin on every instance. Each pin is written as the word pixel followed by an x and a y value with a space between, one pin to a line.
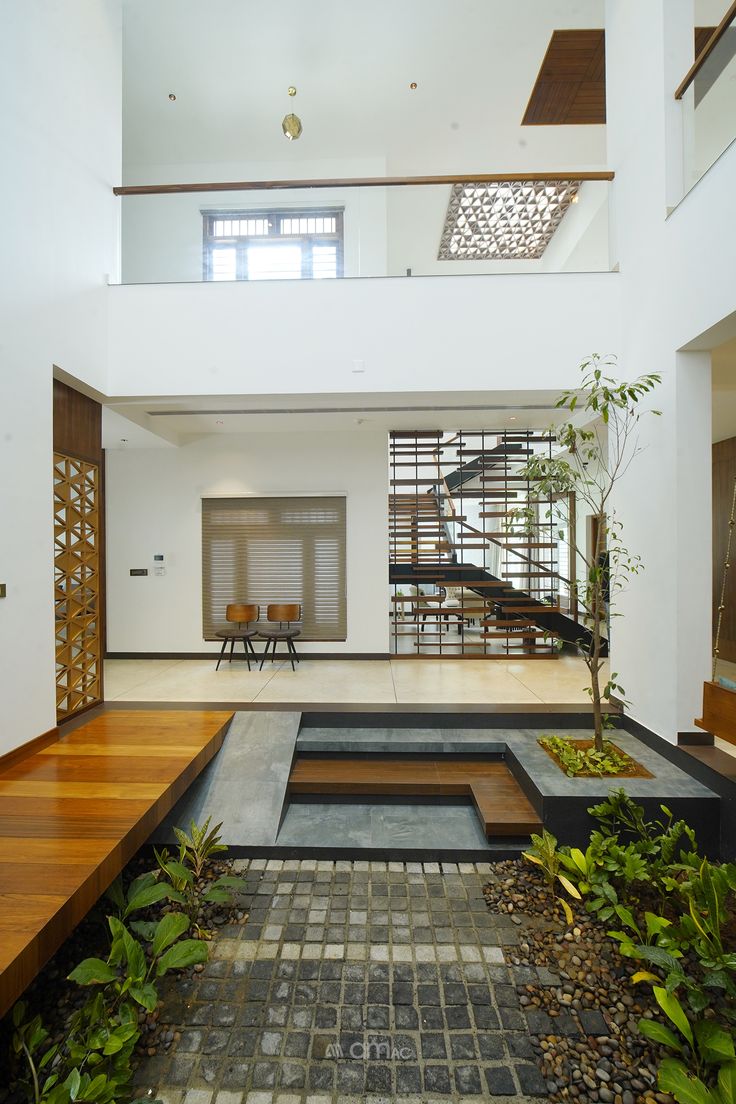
pixel 501 805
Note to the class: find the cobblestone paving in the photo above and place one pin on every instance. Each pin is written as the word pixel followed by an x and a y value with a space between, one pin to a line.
pixel 352 981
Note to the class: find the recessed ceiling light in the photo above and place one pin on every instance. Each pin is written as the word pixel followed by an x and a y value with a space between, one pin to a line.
pixel 219 422
pixel 512 417
pixel 172 96
pixel 413 86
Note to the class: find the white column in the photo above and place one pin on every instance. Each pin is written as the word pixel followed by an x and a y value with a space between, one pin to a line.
pixel 660 646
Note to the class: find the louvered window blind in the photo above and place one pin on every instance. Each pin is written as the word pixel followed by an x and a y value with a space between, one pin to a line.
pixel 275 550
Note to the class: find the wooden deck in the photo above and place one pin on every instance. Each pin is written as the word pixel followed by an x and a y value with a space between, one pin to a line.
pixel 74 813
pixel 502 807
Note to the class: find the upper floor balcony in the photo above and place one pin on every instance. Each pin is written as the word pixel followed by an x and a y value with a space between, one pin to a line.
pixel 478 224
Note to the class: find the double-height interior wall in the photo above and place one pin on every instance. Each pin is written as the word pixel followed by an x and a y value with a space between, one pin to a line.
pixel 671 299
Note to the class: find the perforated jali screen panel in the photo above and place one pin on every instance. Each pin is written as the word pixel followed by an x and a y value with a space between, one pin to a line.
pixel 76 584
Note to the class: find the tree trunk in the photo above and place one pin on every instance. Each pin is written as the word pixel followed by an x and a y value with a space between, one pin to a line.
pixel 597 710
pixel 598 605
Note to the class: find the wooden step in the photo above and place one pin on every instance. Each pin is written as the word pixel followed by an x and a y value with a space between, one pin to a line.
pixel 501 805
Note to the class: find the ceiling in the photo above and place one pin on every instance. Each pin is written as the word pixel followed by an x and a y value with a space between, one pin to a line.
pixel 230 62
pixel 151 423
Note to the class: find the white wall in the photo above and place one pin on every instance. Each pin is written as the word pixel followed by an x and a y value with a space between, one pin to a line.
pixel 60 135
pixel 673 276
pixel 289 337
pixel 154 505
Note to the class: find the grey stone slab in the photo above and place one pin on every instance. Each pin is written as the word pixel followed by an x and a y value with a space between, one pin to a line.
pixel 668 780
pixel 245 784
pixel 383 740
pixel 382 825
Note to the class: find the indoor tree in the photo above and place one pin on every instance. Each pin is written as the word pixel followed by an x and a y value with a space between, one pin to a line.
pixel 588 461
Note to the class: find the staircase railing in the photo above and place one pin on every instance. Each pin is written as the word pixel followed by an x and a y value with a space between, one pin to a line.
pixel 525 558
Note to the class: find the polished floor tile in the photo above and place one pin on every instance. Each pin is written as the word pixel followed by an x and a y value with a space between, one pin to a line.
pixel 342 681
pixel 122 675
pixel 472 681
pixel 402 681
pixel 197 680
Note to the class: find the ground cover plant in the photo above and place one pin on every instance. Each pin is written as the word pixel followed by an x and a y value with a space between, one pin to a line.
pixel 154 927
pixel 665 914
pixel 582 758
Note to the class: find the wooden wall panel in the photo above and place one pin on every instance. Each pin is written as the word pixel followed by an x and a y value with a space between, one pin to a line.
pixel 724 474
pixel 77 424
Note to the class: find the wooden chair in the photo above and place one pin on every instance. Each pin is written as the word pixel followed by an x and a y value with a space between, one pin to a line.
pixel 242 617
pixel 282 618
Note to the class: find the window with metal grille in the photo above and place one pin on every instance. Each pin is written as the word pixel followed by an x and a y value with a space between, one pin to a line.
pixel 268 550
pixel 273 245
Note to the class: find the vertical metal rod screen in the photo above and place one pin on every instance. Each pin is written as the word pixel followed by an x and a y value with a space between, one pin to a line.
pixel 466 581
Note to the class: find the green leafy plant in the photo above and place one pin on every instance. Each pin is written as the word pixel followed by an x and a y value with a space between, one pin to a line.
pixel 634 849
pixel 591 460
pixel 544 854
pixel 186 874
pixel 200 845
pixel 94 1061
pixel 144 891
pixel 576 760
pixel 705 1045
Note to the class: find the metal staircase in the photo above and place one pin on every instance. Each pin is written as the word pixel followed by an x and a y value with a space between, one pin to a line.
pixel 464 583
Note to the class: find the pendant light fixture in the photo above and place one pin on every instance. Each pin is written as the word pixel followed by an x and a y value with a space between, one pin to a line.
pixel 291 124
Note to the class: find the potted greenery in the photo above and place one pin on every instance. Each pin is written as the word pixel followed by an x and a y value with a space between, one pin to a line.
pixel 590 459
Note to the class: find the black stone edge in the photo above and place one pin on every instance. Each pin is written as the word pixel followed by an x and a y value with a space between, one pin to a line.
pixel 369 715
pixel 471 716
pixel 695 739
pixel 509 849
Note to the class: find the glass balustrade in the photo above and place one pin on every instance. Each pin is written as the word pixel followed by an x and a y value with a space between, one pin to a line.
pixel 342 231
pixel 709 107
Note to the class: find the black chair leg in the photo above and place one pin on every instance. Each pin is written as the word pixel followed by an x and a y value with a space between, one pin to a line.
pixel 245 649
pixel 292 650
pixel 265 653
pixel 222 652
pixel 252 652
pixel 232 650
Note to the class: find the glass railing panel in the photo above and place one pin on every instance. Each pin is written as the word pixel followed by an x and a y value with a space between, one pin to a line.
pixel 709 108
pixel 366 231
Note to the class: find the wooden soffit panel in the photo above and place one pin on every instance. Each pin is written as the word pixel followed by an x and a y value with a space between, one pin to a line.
pixel 570 88
pixel 571 84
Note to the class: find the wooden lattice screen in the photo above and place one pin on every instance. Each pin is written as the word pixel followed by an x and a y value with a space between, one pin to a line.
pixel 76 584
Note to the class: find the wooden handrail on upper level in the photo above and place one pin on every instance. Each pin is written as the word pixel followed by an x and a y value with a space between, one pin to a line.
pixel 705 53
pixel 356 182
